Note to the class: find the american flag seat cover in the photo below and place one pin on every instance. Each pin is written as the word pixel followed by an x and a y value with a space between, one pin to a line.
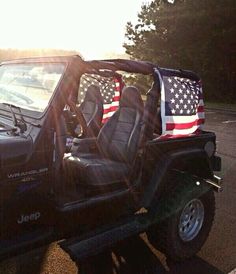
pixel 182 107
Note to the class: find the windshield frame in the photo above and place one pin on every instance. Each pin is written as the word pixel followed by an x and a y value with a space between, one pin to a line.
pixel 34 114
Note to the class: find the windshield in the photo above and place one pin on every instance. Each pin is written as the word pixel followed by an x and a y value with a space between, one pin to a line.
pixel 29 86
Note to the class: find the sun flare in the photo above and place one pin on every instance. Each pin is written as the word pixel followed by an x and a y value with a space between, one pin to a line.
pixel 91 27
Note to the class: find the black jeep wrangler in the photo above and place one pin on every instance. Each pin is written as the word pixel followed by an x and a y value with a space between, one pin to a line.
pixel 87 160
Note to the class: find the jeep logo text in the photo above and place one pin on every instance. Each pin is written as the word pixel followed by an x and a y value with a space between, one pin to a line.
pixel 27 218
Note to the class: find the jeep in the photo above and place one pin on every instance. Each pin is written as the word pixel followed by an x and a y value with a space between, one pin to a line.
pixel 88 161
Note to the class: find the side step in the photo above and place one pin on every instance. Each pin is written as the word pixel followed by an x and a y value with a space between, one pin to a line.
pixel 92 244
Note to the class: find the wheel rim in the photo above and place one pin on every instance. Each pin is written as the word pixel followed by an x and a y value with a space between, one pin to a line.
pixel 191 220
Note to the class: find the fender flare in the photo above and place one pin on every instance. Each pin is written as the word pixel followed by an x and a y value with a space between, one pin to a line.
pixel 170 162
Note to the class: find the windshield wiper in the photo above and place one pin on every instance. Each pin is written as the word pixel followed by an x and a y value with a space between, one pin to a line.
pixel 7 127
pixel 22 124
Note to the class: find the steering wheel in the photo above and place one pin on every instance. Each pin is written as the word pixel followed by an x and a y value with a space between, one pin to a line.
pixel 80 117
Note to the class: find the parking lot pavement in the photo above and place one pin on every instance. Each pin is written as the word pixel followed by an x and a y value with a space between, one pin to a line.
pixel 220 249
pixel 136 256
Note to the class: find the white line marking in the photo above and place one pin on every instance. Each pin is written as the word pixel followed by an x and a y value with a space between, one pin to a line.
pixel 229 121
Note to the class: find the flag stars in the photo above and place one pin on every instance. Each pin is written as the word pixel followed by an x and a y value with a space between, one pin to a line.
pixel 182 95
pixel 106 84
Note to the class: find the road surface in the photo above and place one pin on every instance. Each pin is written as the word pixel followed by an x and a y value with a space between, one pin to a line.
pixel 135 256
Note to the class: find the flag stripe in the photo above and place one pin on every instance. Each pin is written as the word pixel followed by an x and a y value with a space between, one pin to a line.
pixel 109 114
pixel 170 136
pixel 183 119
pixel 200 109
pixel 182 132
pixel 111 108
pixel 184 125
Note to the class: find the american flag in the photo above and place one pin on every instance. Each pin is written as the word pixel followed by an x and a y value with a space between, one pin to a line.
pixel 182 106
pixel 110 88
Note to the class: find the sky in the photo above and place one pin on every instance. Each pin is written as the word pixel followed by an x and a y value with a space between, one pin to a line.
pixel 92 27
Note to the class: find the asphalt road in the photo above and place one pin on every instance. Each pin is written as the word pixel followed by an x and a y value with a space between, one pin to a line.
pixel 136 256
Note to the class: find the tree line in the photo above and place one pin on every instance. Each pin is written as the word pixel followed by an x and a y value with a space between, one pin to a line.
pixel 198 35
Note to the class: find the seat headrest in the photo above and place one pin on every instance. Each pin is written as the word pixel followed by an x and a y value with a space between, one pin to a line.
pixel 131 98
pixel 93 94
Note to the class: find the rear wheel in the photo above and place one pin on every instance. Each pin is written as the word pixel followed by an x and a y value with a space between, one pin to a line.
pixel 182 234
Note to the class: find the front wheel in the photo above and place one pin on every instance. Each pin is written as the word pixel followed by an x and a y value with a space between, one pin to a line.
pixel 183 233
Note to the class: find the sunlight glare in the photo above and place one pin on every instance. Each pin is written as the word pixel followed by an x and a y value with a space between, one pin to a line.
pixel 91 27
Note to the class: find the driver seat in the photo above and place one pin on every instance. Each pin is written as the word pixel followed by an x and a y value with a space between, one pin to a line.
pixel 92 110
pixel 106 163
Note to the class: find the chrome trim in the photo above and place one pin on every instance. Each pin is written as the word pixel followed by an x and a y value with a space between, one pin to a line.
pixel 216 182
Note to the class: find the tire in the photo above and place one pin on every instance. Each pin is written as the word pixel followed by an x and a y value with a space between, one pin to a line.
pixel 182 234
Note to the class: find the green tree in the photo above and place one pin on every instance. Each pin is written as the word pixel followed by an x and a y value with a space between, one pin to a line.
pixel 189 34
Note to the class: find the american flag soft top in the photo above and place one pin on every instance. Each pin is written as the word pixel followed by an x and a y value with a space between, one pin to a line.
pixel 110 88
pixel 182 108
